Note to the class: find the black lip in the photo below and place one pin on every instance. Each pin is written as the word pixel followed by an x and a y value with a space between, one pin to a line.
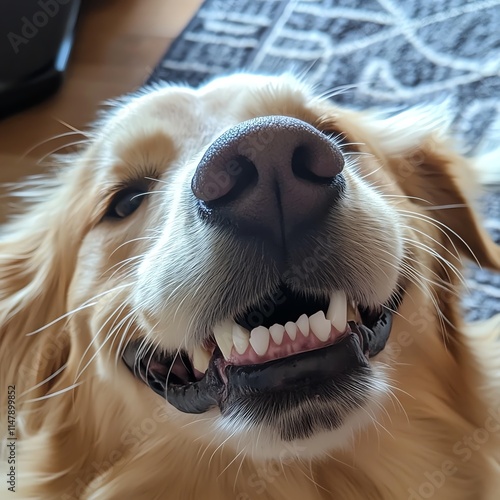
pixel 191 397
pixel 305 373
pixel 376 335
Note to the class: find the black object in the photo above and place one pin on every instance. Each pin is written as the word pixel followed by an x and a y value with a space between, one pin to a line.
pixel 276 194
pixel 36 37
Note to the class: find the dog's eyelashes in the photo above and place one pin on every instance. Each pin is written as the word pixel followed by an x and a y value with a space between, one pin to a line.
pixel 125 203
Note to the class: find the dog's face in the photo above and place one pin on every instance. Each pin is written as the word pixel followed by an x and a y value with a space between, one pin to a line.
pixel 238 216
pixel 246 251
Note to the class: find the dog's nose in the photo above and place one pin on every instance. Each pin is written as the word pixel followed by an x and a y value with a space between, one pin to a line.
pixel 275 175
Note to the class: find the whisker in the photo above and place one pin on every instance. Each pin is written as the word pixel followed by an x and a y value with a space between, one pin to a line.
pixel 60 148
pixel 44 381
pixel 45 141
pixel 53 394
pixel 341 89
pixel 85 305
pixel 444 228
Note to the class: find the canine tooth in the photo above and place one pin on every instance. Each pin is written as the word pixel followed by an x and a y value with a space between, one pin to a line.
pixel 291 329
pixel 320 326
pixel 337 310
pixel 277 331
pixel 259 340
pixel 201 359
pixel 303 324
pixel 223 337
pixel 241 338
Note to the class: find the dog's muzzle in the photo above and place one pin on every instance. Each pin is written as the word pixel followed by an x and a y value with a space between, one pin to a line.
pixel 271 182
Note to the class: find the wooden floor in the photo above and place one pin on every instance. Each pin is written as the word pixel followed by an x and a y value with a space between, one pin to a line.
pixel 118 43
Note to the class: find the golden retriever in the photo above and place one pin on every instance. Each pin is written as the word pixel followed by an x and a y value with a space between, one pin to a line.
pixel 244 291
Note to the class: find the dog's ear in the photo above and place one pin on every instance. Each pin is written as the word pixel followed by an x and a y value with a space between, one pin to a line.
pixel 38 252
pixel 441 181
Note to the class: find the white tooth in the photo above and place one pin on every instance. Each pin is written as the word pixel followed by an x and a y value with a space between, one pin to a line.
pixel 291 329
pixel 303 324
pixel 337 311
pixel 259 340
pixel 201 358
pixel 320 326
pixel 241 338
pixel 223 337
pixel 277 331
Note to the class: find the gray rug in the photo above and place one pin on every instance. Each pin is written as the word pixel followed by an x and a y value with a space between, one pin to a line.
pixel 396 53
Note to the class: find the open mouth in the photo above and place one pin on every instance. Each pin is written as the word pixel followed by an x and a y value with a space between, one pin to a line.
pixel 288 343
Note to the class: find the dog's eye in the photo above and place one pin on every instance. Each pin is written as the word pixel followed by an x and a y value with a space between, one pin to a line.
pixel 125 202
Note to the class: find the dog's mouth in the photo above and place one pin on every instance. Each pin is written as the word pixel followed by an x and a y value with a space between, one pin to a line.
pixel 295 344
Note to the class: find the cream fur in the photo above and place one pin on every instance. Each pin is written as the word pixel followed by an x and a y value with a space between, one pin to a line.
pixel 73 289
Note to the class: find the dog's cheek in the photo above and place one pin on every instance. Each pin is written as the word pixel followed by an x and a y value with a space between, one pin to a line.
pixel 85 282
pixel 371 226
pixel 97 261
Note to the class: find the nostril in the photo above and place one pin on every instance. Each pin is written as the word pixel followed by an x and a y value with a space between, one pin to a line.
pixel 312 164
pixel 302 160
pixel 244 177
pixel 224 179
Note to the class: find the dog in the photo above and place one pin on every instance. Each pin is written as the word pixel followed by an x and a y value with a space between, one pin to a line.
pixel 243 291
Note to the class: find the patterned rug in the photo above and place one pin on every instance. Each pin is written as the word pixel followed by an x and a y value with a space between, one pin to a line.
pixel 394 53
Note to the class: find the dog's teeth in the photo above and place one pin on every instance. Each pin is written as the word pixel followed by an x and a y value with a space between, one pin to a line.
pixel 201 359
pixel 259 340
pixel 224 338
pixel 291 329
pixel 303 324
pixel 337 311
pixel 320 326
pixel 277 331
pixel 241 338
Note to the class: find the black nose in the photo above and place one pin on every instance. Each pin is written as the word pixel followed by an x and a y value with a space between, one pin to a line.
pixel 271 176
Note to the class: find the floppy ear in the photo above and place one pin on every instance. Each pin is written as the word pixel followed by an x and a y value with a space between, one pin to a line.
pixel 37 259
pixel 439 179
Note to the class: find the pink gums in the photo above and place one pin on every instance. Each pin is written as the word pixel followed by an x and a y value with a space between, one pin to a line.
pixel 286 348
